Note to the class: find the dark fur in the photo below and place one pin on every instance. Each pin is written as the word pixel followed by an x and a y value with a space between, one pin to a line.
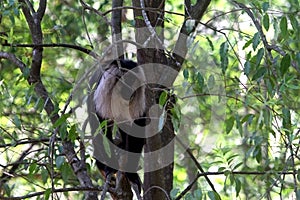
pixel 127 109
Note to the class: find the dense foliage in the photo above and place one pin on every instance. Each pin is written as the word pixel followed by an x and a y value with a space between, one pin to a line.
pixel 237 105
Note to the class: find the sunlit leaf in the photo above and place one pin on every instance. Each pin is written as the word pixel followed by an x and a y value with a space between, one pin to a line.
pixel 47 193
pixel 163 98
pixel 61 120
pixel 73 134
pixel 247 44
pixel 32 168
pixel 237 166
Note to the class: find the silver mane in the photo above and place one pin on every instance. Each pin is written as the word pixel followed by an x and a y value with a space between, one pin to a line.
pixel 109 102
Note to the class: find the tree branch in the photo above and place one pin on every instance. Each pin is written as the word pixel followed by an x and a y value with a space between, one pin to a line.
pixel 70 46
pixel 263 37
pixel 41 10
pixel 116 29
pixel 11 57
pixel 6 176
pixel 34 23
pixel 42 193
pixel 194 12
pixel 197 164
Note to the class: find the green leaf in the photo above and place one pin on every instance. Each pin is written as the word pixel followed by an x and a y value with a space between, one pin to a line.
pixel 266 21
pixel 163 99
pixel 265 6
pixel 106 146
pixel 247 118
pixel 59 161
pixel 270 87
pixel 188 196
pixel 283 26
pixel 176 116
pixel 114 130
pixel 44 175
pixel 255 41
pixel 259 56
pixel 61 120
pixel 103 127
pixel 174 193
pixel 294 22
pixel 229 124
pixel 224 56
pixel 161 121
pixel 186 74
pixel 238 186
pixel 257 154
pixel 238 124
pixel 247 67
pixel 213 195
pixel 298 58
pixel 198 194
pixel 259 73
pixel 298 194
pixel 286 123
pixel 237 166
pixel 47 193
pixel 200 79
pixel 247 44
pixel 17 122
pixel 32 168
pixel 66 172
pixel 73 134
pixel 285 64
pixel 211 81
pixel 210 43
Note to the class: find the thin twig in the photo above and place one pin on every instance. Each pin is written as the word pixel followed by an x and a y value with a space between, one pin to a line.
pixel 197 164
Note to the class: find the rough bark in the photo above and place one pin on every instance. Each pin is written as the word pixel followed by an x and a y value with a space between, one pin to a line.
pixel 159 183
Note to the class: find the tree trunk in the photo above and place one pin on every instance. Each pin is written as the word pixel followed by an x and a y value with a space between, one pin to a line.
pixel 157 183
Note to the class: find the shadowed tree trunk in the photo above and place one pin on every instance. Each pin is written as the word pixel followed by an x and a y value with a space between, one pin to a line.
pixel 162 178
pixel 158 183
